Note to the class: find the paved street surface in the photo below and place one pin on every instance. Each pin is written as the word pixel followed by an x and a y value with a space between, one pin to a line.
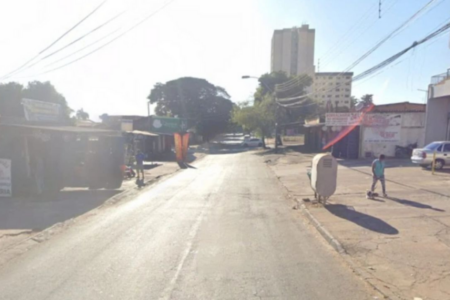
pixel 221 231
pixel 403 241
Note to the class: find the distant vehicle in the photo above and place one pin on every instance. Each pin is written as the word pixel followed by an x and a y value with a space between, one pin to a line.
pixel 247 137
pixel 252 142
pixel 424 156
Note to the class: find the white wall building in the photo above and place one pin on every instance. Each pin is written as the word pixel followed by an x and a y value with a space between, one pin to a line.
pixel 333 88
pixel 438 109
pixel 293 51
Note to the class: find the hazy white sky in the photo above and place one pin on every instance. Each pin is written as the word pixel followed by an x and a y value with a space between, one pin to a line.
pixel 216 40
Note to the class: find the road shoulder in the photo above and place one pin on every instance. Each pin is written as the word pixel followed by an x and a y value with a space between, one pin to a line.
pixel 399 245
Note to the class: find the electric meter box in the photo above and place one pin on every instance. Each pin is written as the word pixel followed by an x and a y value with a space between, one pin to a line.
pixel 324 174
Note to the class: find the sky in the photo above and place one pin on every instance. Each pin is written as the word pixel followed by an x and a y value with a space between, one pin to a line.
pixel 213 39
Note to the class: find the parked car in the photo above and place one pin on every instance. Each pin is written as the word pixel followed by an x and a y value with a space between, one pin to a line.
pixel 424 156
pixel 252 142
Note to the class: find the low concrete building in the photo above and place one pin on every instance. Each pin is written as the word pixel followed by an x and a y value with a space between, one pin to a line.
pixel 406 126
pixel 437 126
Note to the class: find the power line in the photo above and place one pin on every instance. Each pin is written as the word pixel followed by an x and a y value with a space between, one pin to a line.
pixel 57 40
pixel 384 63
pixel 109 42
pixel 71 43
pixel 393 33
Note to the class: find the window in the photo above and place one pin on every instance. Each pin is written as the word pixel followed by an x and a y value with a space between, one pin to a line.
pixel 338 90
pixel 347 83
pixel 337 96
pixel 447 148
pixel 347 90
pixel 338 83
pixel 347 96
pixel 348 77
pixel 329 96
pixel 330 83
pixel 434 146
pixel 346 102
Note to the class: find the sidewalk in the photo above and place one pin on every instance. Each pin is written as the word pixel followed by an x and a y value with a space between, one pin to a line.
pixel 402 242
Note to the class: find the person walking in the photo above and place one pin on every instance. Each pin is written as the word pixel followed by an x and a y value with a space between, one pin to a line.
pixel 378 175
pixel 140 164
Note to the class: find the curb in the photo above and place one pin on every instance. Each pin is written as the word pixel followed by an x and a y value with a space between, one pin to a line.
pixel 322 230
pixel 333 242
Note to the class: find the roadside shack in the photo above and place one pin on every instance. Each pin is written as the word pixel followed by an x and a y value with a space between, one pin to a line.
pixel 46 155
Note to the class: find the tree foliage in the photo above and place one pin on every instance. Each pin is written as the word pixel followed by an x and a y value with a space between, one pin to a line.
pixel 367 100
pixel 82 115
pixel 12 93
pixel 206 106
pixel 259 117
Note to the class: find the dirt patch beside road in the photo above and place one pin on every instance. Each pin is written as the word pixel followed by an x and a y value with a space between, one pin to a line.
pixel 402 242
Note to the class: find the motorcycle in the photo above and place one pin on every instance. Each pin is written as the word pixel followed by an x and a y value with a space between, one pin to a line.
pixel 129 173
pixel 405 152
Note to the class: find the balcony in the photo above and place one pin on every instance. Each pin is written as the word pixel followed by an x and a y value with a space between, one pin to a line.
pixel 440 85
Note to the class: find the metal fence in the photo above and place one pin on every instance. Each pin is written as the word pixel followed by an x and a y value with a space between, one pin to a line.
pixel 441 77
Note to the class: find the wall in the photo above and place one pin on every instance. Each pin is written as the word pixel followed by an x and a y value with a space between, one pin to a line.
pixel 441 89
pixel 412 131
pixel 437 119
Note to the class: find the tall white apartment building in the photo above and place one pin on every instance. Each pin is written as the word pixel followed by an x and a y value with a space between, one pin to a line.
pixel 293 51
pixel 333 88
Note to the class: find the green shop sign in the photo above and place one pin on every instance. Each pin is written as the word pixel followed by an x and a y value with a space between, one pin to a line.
pixel 168 125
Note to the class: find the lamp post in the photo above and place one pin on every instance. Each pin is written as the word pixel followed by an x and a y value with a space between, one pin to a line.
pixel 276 112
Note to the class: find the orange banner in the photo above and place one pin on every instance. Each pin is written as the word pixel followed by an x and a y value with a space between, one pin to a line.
pixel 185 145
pixel 178 146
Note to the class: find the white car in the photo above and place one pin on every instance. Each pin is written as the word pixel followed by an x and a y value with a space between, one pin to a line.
pixel 252 142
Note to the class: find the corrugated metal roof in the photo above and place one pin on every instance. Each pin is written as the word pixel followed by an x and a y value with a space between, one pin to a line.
pixel 400 107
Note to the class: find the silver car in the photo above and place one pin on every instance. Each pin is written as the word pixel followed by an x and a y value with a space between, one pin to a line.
pixel 424 156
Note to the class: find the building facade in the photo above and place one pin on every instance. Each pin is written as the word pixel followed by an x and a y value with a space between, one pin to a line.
pixel 293 51
pixel 437 126
pixel 333 89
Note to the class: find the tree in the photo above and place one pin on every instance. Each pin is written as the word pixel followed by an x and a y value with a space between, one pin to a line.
pixel 82 115
pixel 367 100
pixel 12 93
pixel 353 101
pixel 206 106
pixel 267 84
pixel 259 118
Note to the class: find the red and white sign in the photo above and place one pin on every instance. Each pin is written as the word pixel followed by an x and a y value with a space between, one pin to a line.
pixel 342 119
pixel 382 134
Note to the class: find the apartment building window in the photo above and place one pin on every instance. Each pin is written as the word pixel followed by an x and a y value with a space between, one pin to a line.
pixel 348 77
pixel 338 90
pixel 347 90
pixel 337 96
pixel 347 96
pixel 347 83
pixel 330 83
pixel 329 96
pixel 338 83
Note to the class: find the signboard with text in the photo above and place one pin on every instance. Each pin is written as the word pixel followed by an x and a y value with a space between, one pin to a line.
pixel 5 178
pixel 168 125
pixel 40 111
pixel 342 119
pixel 382 134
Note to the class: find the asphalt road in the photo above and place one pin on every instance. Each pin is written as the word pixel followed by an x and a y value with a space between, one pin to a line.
pixel 221 231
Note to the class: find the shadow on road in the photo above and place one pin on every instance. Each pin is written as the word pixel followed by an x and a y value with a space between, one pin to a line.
pixel 39 213
pixel 414 204
pixel 361 219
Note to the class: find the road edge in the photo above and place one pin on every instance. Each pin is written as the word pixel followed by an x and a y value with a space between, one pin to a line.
pixel 21 247
pixel 334 243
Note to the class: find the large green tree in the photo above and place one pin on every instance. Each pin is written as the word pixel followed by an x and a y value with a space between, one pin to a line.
pixel 12 93
pixel 206 106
